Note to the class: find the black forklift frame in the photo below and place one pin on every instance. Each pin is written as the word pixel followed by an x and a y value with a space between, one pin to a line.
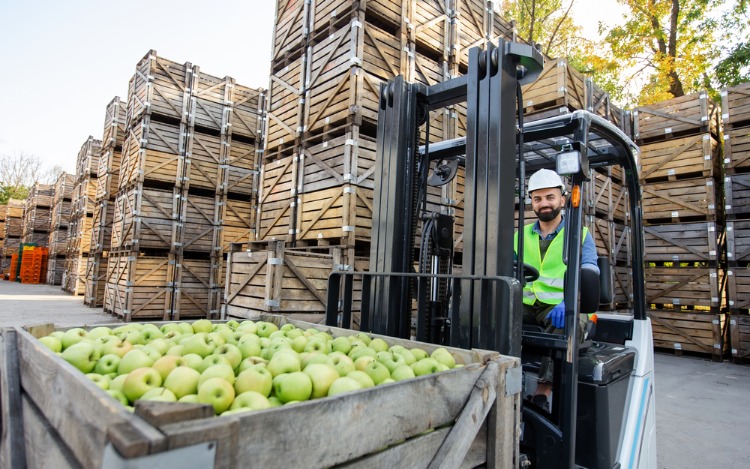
pixel 489 313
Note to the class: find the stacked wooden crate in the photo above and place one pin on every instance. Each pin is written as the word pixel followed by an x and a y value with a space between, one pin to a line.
pixel 187 189
pixel 3 209
pixel 736 119
pixel 37 214
pixel 681 180
pixel 81 218
pixel 59 228
pixel 14 218
pixel 107 181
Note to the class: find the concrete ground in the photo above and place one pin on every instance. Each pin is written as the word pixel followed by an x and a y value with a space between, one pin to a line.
pixel 702 412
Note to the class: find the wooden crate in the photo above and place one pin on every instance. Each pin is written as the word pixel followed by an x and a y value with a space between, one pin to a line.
pixel 348 158
pixel 687 115
pixel 279 279
pixel 430 27
pixel 277 198
pixel 74 276
pixel 153 152
pixel 237 223
pixel 87 163
pixel 84 197
pixel 739 331
pixel 114 126
pixel 737 150
pixel 343 213
pixel 605 197
pixel 247 113
pixel 63 188
pixel 612 239
pixel 139 287
pixel 622 287
pixel 285 106
pixel 688 288
pixel 101 230
pixel 58 241
pixel 39 238
pixel 559 85
pixel 702 333
pixel 240 169
pixel 210 99
pixel 197 289
pixel 735 105
pixel 598 102
pixel 738 289
pixel 55 270
pixel 145 219
pixel 737 196
pixel 60 215
pixel 159 87
pixel 108 176
pixel 476 424
pixel 345 72
pixel 290 29
pixel 681 158
pixel 79 234
pixel 203 162
pixel 681 201
pixel 684 242
pixel 96 280
pixel 329 15
pixel 472 26
pixel 36 219
pixel 738 242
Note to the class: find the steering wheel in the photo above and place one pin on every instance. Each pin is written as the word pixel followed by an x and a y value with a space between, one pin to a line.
pixel 529 273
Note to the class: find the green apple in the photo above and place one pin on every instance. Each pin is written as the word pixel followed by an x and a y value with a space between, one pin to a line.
pixel 341 344
pixel 426 366
pixel 136 358
pixel 139 381
pixel 159 394
pixel 52 343
pixel 275 401
pixel 99 380
pixel 190 398
pixel 224 331
pixel 285 361
pixel 202 325
pixel 364 337
pixel 117 347
pixel 287 327
pixel 107 364
pixel 315 344
pixel 390 360
pixel 419 353
pixel 442 355
pixel 176 350
pixel 277 335
pixel 118 395
pixel 257 379
pixel 116 383
pixel 294 333
pixel 82 355
pixel 135 337
pixel 73 336
pixel 341 362
pixel 150 332
pixel 173 336
pixel 265 329
pixel 275 346
pixel 313 357
pixel 250 400
pixel 125 328
pixel 295 386
pixel 248 326
pixel 250 362
pixel 182 381
pixel 404 352
pixel 160 344
pixel 378 372
pixel 58 335
pixel 378 344
pixel 99 331
pixel 342 385
pixel 361 363
pixel 186 328
pixel 215 339
pixel 322 376
pixel 402 372
pixel 212 360
pixel 170 327
pixel 164 365
pixel 358 352
pixel 362 378
pixel 234 337
pixel 299 343
pixel 151 352
pixel 388 380
pixel 233 324
pixel 198 344
pixel 216 392
pixel 193 360
pixel 225 372
pixel 249 345
pixel 231 352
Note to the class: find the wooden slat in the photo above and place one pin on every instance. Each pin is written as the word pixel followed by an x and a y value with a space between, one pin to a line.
pixel 739 327
pixel 680 201
pixel 685 286
pixel 702 333
pixel 558 85
pixel 735 105
pixel 686 115
pixel 738 242
pixel 683 242
pixel 681 158
pixel 737 150
pixel 738 289
pixel 737 195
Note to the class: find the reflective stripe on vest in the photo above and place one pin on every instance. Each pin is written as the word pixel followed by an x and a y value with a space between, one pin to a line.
pixel 548 288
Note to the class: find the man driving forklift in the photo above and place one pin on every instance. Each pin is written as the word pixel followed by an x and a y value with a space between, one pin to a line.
pixel 543 249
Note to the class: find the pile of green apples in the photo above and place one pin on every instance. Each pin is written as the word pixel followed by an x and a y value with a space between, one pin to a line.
pixel 236 366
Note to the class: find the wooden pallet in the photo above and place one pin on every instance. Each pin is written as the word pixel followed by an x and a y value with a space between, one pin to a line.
pixel 681 201
pixel 737 196
pixel 153 152
pixel 739 332
pixel 693 332
pixel 559 85
pixel 345 72
pixel 737 150
pixel 139 287
pixel 738 289
pixel 680 158
pixel 735 105
pixel 686 287
pixel 286 89
pixel 687 115
pixel 684 242
pixel 159 87
pixel 738 242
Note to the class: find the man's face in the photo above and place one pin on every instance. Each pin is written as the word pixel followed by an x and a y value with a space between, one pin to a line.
pixel 547 203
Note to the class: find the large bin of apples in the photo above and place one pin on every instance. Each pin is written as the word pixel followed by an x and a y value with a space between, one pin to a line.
pixel 271 392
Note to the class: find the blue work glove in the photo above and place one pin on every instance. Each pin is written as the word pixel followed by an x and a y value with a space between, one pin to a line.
pixel 557 315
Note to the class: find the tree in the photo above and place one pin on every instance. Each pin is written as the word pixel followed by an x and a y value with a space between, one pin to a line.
pixel 18 172
pixel 546 23
pixel 665 48
pixel 734 66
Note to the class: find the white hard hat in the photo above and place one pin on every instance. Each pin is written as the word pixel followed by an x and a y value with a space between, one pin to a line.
pixel 544 179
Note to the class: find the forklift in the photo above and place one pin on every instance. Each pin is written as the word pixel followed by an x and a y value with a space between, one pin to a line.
pixel 602 413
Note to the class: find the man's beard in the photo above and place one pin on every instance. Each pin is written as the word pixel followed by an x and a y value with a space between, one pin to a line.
pixel 549 216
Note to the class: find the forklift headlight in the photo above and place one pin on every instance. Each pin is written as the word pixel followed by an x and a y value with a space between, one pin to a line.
pixel 568 162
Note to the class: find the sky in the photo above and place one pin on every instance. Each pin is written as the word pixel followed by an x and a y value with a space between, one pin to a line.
pixel 62 61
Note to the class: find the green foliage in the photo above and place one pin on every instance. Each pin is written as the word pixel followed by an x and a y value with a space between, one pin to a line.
pixel 734 66
pixel 8 192
pixel 547 23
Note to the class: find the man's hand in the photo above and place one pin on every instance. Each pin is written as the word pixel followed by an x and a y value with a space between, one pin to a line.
pixel 557 315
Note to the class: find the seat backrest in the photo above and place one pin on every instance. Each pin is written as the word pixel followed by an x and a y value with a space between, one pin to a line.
pixel 605 280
